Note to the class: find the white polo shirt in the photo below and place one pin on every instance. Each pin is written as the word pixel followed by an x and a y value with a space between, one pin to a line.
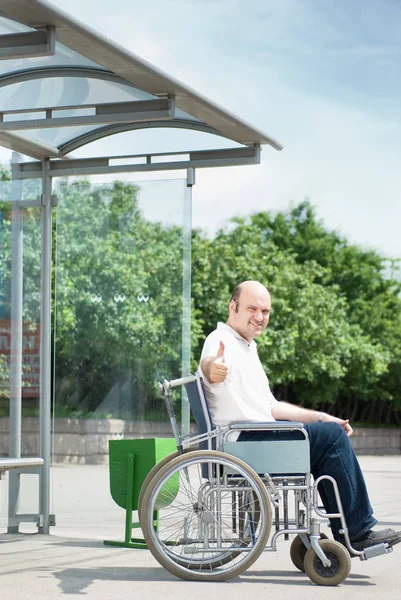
pixel 245 394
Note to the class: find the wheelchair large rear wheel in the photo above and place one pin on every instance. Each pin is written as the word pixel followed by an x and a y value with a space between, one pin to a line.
pixel 340 566
pixel 217 523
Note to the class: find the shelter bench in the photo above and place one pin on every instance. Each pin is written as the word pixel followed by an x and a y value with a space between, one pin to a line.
pixel 18 463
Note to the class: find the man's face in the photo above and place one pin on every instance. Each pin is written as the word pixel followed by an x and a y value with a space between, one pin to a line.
pixel 250 315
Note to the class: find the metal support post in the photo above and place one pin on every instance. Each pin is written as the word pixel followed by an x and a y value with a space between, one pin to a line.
pixel 16 342
pixel 186 297
pixel 45 351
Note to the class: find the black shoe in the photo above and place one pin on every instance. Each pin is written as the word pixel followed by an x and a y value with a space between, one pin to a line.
pixel 371 538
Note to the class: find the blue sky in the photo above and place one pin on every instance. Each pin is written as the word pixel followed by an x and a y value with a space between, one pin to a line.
pixel 321 76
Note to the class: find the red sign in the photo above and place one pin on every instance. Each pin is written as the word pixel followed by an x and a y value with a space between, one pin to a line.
pixel 30 358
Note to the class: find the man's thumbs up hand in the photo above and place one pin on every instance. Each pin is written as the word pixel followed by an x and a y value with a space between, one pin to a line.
pixel 214 367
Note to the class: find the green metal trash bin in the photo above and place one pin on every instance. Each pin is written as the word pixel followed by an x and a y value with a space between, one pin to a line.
pixel 130 460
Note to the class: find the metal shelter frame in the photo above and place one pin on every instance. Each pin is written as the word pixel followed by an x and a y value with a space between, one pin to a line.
pixel 39 43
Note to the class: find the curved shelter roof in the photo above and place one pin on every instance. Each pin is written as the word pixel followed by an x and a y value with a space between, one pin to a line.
pixel 63 85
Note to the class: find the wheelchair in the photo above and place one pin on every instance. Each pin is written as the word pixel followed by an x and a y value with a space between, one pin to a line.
pixel 208 511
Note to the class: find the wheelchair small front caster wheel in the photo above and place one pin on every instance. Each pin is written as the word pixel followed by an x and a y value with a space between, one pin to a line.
pixel 298 551
pixel 340 566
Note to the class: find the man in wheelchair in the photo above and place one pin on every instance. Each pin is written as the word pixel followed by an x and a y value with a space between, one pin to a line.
pixel 237 389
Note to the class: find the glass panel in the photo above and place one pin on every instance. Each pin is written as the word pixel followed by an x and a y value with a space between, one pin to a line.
pixel 153 141
pixel 122 312
pixel 19 334
pixel 65 91
pixel 60 91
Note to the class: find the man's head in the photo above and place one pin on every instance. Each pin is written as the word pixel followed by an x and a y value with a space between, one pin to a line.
pixel 249 309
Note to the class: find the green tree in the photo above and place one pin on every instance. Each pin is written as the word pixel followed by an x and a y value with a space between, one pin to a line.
pixel 109 355
pixel 370 284
pixel 115 348
pixel 333 339
pixel 335 318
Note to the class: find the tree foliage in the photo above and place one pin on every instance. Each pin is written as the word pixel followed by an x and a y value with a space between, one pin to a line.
pixel 335 324
pixel 333 338
pixel 115 349
pixel 109 354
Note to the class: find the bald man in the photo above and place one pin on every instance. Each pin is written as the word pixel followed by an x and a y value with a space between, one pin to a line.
pixel 237 389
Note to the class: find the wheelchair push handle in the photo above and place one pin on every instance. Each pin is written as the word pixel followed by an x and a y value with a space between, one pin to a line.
pixel 167 385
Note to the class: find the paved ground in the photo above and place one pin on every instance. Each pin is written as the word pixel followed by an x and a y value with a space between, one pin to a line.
pixel 73 560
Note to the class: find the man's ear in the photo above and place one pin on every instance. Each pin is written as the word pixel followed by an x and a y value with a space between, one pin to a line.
pixel 232 306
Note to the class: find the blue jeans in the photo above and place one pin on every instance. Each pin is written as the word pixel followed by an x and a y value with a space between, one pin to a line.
pixel 331 453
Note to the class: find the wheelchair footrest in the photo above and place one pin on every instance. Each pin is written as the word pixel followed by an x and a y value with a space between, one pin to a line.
pixel 376 550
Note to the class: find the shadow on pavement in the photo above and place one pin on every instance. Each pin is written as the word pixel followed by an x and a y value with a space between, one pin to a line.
pixel 297 578
pixel 81 544
pixel 75 581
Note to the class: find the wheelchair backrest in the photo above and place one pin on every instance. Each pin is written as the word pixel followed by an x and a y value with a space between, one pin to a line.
pixel 200 410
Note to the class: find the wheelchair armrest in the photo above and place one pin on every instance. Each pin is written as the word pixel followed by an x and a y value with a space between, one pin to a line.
pixel 269 425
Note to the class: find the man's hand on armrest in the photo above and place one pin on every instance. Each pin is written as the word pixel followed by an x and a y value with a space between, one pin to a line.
pixel 290 412
pixel 214 368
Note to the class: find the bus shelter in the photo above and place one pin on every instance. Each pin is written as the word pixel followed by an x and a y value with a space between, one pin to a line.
pixel 95 294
